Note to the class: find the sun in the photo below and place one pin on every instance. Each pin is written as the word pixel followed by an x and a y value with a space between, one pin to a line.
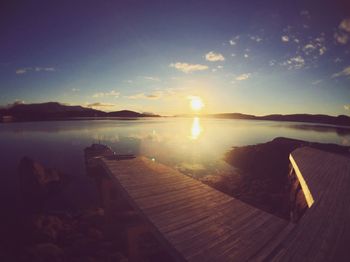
pixel 196 103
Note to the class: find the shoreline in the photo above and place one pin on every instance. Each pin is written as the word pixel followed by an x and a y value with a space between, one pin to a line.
pixel 262 179
pixel 303 124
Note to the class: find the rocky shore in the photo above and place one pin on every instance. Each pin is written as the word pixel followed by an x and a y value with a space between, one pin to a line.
pixel 44 233
pixel 262 178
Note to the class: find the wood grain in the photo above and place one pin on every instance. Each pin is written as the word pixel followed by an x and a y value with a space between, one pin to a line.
pixel 198 223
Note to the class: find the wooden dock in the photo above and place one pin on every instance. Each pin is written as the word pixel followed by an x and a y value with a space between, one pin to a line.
pixel 323 233
pixel 198 223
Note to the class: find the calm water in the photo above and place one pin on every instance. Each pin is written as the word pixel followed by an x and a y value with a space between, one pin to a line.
pixel 194 146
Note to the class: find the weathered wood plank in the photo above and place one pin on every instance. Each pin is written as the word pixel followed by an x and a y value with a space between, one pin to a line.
pixel 172 202
pixel 160 190
pixel 229 238
pixel 211 236
pixel 320 232
pixel 199 223
pixel 177 198
pixel 219 215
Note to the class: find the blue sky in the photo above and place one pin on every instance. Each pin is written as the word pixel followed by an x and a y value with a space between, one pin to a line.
pixel 255 57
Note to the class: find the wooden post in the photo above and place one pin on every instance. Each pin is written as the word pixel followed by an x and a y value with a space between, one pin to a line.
pixel 133 235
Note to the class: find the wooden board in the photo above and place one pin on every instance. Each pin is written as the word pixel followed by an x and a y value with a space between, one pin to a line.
pixel 323 233
pixel 195 220
pixel 198 223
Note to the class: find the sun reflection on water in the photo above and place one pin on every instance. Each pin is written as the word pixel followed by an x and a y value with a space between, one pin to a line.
pixel 196 129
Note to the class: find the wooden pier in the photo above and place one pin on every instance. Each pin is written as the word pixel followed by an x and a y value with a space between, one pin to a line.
pixel 198 223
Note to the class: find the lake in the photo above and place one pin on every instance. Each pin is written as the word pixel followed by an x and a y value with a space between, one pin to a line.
pixel 192 145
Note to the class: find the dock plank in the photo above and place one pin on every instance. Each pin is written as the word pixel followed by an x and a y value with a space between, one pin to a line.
pixel 186 213
pixel 198 223
pixel 320 232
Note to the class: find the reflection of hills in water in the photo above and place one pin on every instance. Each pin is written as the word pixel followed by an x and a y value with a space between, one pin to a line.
pixel 195 147
pixel 73 125
pixel 342 131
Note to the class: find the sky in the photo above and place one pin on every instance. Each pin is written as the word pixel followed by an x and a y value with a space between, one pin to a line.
pixel 253 57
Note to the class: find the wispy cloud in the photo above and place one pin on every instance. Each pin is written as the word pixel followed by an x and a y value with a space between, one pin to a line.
pixel 214 57
pixel 75 89
pixel 21 71
pixel 49 69
pixel 234 40
pixel 347 107
pixel 243 77
pixel 188 68
pixel 344 72
pixel 285 38
pixel 256 38
pixel 345 25
pixel 152 78
pixel 316 46
pixel 296 62
pixel 24 70
pixel 341 38
pixel 316 82
pixel 343 35
pixel 107 94
pixel 291 35
pixel 156 95
pixel 217 68
pixel 322 50
pixel 308 47
pixel 307 51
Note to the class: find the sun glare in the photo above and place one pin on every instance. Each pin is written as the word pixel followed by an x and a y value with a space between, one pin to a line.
pixel 196 129
pixel 196 103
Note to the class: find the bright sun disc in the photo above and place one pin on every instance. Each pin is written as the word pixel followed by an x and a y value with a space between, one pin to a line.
pixel 196 103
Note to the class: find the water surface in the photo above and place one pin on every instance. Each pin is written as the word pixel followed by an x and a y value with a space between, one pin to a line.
pixel 192 145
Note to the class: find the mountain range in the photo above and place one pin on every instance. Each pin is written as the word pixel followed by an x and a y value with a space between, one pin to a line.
pixel 56 111
pixel 341 120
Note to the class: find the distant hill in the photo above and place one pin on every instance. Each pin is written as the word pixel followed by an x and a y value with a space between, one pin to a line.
pixel 44 111
pixel 340 120
pixel 128 113
pixel 55 110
